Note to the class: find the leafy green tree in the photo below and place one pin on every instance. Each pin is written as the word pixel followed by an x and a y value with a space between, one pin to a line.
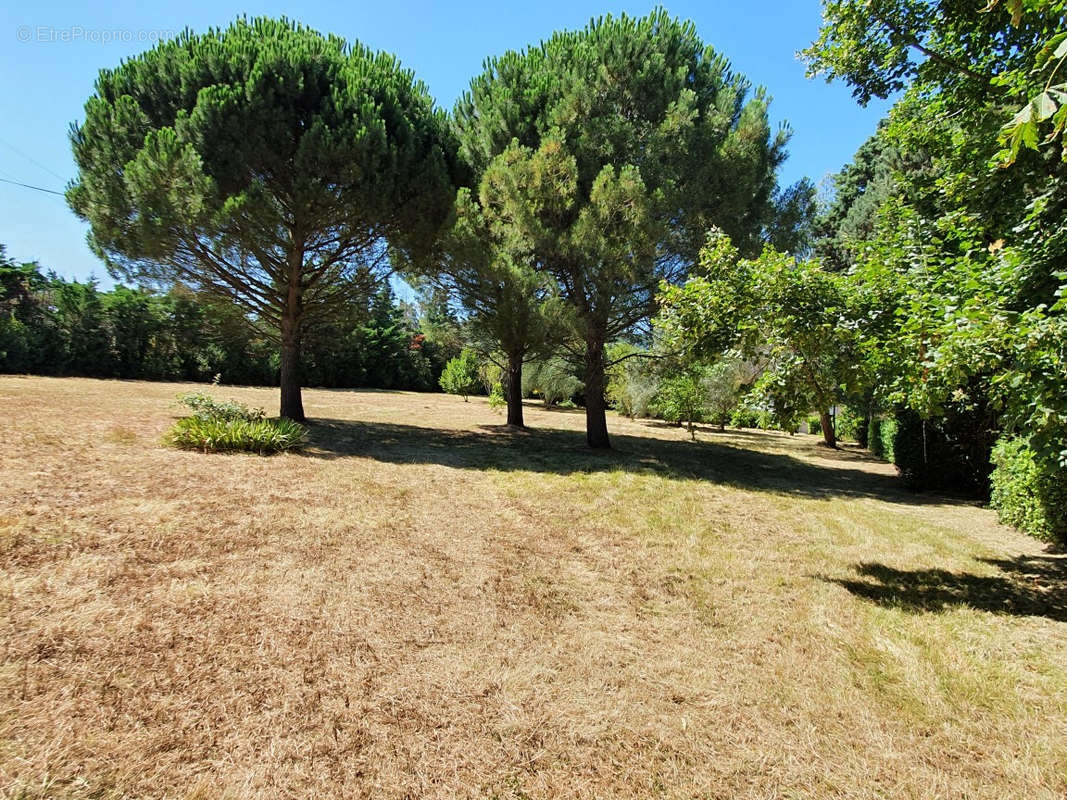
pixel 82 323
pixel 963 262
pixel 608 152
pixel 265 163
pixel 793 317
pixel 722 384
pixel 460 375
pixel 511 308
pixel 682 398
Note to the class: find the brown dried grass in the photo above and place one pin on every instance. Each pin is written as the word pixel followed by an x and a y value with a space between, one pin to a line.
pixel 426 605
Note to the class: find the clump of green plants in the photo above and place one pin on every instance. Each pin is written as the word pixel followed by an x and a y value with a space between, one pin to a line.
pixel 208 408
pixel 226 427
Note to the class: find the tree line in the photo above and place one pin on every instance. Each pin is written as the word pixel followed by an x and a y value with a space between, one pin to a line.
pixel 51 326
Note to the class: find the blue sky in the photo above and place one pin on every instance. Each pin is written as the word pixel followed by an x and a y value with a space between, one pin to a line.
pixel 52 51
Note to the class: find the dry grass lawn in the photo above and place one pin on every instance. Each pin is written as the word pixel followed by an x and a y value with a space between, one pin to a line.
pixel 425 605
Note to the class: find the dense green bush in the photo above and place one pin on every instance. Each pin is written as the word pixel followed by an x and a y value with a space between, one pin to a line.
pixel 460 375
pixel 852 425
pixel 883 431
pixel 1027 495
pixel 217 426
pixel 949 452
pixel 745 416
pixel 220 435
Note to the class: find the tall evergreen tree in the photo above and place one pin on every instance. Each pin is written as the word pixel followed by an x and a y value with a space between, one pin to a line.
pixel 264 163
pixel 610 151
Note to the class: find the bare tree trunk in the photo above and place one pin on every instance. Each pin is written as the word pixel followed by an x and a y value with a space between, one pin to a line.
pixel 596 421
pixel 827 425
pixel 514 379
pixel 292 406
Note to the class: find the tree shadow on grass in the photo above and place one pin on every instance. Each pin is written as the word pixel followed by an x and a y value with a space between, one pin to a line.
pixel 1029 586
pixel 563 452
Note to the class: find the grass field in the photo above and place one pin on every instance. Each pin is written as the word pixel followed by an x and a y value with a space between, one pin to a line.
pixel 426 605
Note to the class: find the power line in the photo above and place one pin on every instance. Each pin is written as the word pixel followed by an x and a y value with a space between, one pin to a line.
pixel 27 186
pixel 31 159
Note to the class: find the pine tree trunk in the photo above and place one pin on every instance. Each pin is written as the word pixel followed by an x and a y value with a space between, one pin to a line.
pixel 596 422
pixel 292 406
pixel 514 378
pixel 827 425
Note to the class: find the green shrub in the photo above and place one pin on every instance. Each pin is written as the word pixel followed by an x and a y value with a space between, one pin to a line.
pixel 852 425
pixel 1027 493
pixel 632 381
pixel 205 407
pixel 947 452
pixel 553 380
pixel 496 396
pixel 883 431
pixel 220 435
pixel 745 416
pixel 461 374
pixel 682 399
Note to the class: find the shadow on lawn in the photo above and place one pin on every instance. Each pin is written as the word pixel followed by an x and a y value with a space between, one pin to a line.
pixel 564 452
pixel 1027 586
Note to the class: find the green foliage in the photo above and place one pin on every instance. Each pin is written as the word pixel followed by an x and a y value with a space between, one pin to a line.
pixel 852 425
pixel 553 380
pixel 49 326
pixel 883 433
pixel 229 426
pixel 632 380
pixel 721 384
pixel 607 153
pixel 265 164
pixel 1027 492
pixel 957 263
pixel 795 318
pixel 205 407
pixel 222 434
pixel 496 396
pixel 460 375
pixel 682 398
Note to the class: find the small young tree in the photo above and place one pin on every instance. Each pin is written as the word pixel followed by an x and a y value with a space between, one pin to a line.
pixel 682 398
pixel 513 312
pixel 460 375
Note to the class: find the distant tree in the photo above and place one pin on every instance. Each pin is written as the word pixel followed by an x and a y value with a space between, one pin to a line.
pixel 460 375
pixel 609 152
pixel 722 383
pixel 266 164
pixel 511 308
pixel 791 228
pixel 553 379
pixel 682 398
